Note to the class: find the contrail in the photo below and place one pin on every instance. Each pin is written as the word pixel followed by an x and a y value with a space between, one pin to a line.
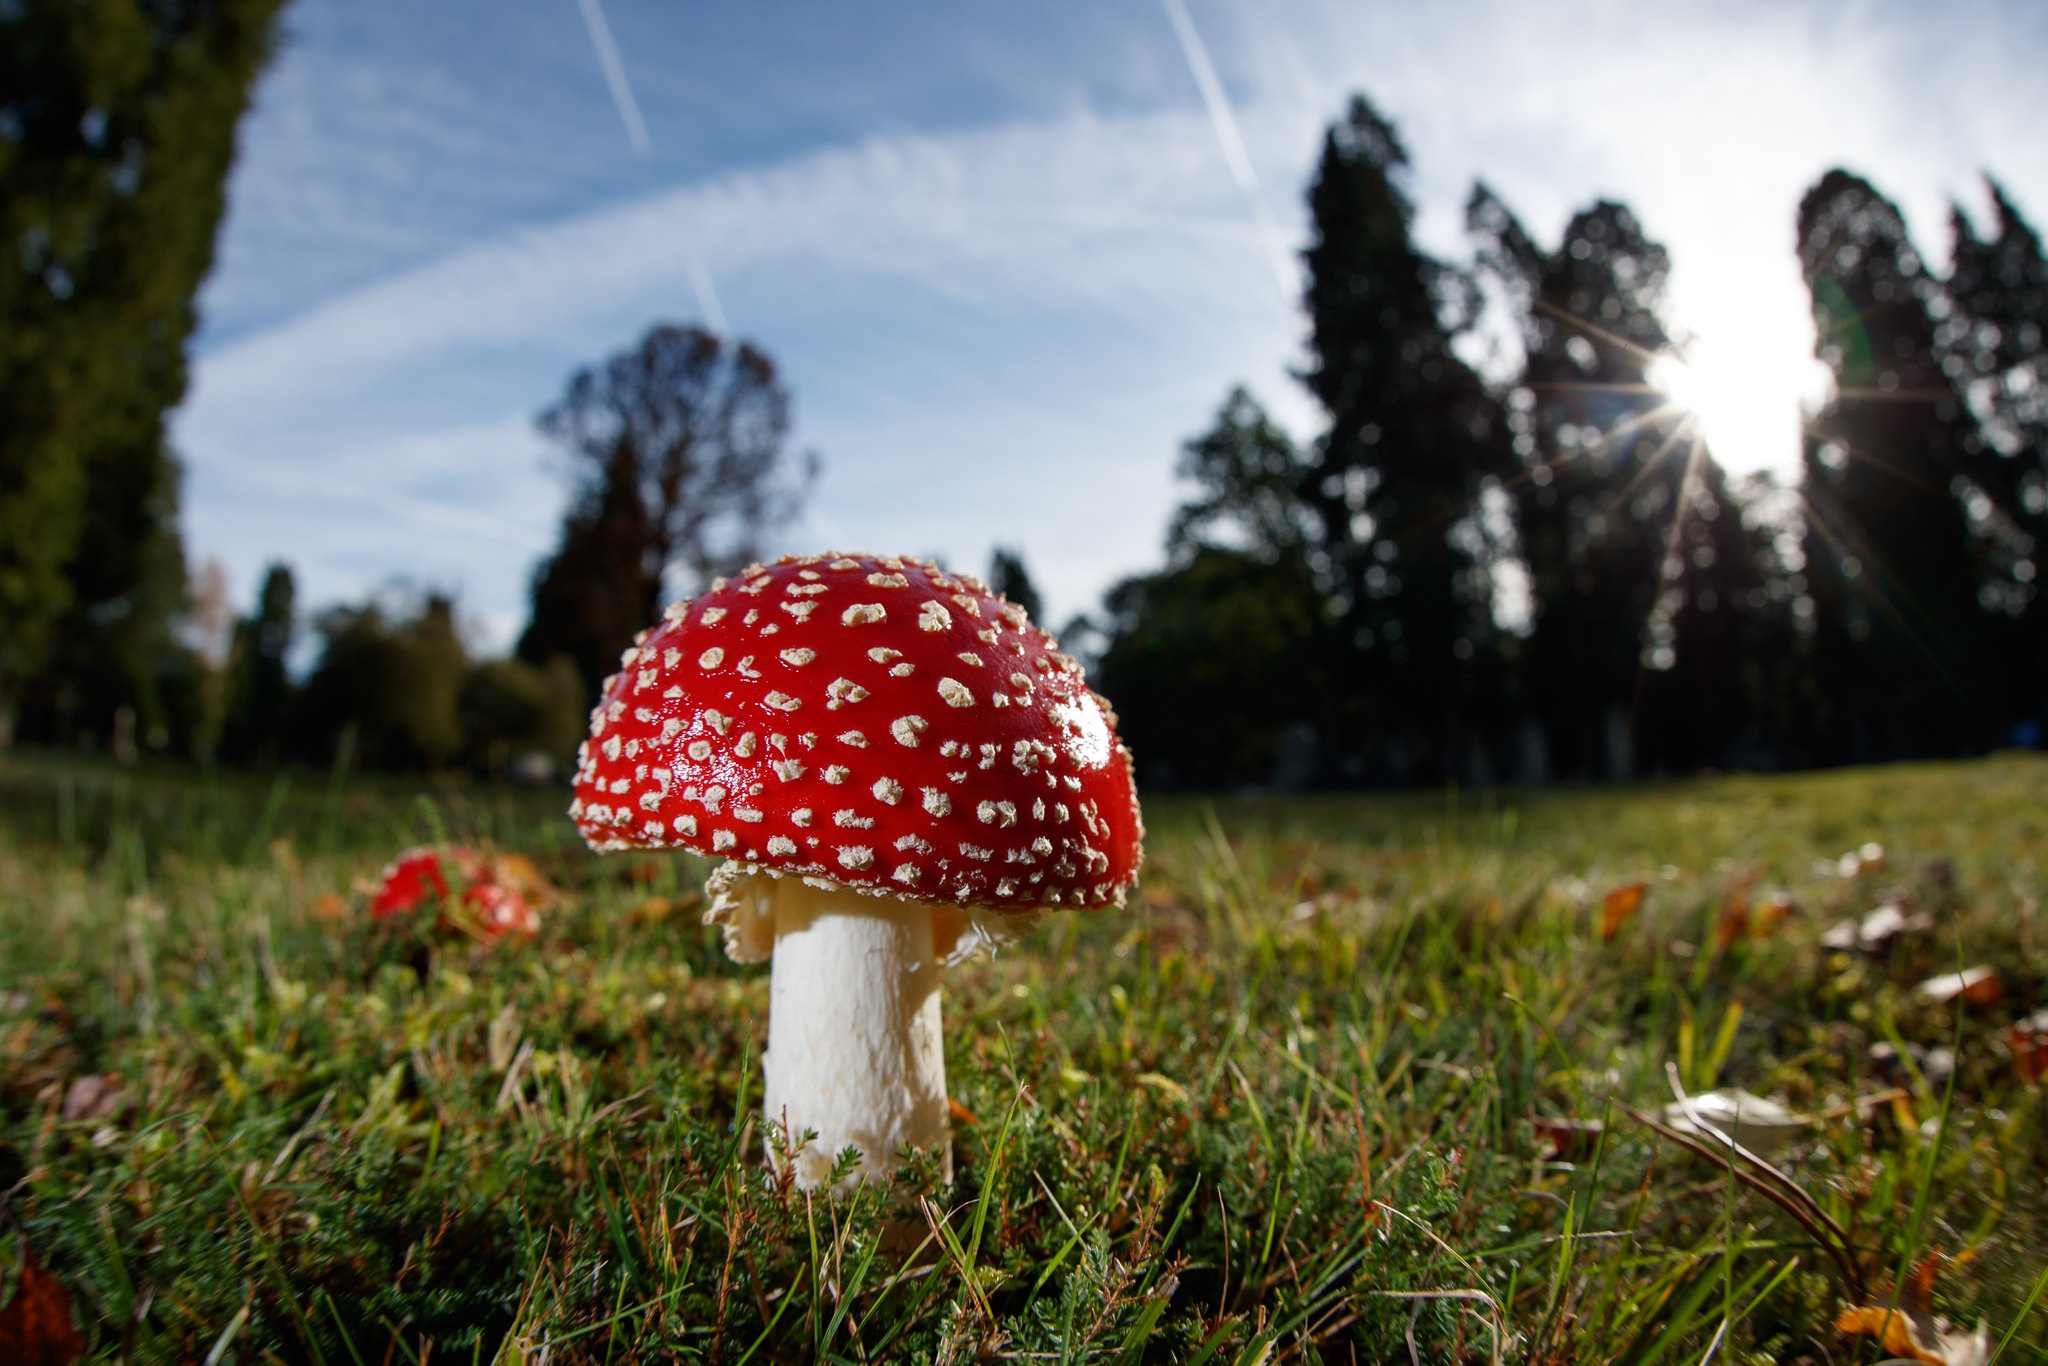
pixel 636 135
pixel 615 75
pixel 1232 143
pixel 707 297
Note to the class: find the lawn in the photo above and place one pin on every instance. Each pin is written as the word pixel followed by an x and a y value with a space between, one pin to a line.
pixel 1353 1078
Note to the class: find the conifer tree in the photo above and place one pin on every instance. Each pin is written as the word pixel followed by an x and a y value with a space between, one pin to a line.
pixel 1219 658
pixel 1902 663
pixel 1993 337
pixel 1008 576
pixel 117 124
pixel 1647 609
pixel 259 688
pixel 1414 440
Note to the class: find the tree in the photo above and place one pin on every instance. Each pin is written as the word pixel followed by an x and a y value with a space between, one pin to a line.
pixel 1219 663
pixel 677 445
pixel 1903 666
pixel 259 688
pixel 1007 576
pixel 1992 332
pixel 1216 668
pixel 117 128
pixel 1396 486
pixel 391 676
pixel 510 709
pixel 1645 575
pixel 1249 475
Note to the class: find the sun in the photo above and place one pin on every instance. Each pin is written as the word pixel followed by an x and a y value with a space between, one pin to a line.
pixel 1679 383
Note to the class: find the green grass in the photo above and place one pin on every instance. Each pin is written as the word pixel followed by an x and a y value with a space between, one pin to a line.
pixel 1292 1105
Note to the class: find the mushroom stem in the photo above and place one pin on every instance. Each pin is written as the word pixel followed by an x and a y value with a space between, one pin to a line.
pixel 854 1050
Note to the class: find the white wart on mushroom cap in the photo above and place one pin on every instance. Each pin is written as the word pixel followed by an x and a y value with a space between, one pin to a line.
pixel 865 722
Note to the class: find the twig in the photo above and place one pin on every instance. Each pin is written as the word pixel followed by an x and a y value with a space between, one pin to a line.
pixel 1791 1187
pixel 1496 1323
pixel 1852 1277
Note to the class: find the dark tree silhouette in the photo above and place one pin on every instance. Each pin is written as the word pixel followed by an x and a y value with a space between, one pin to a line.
pixel 393 675
pixel 677 446
pixel 1993 336
pixel 1902 662
pixel 1249 475
pixel 258 686
pixel 117 125
pixel 1219 663
pixel 1216 668
pixel 1414 441
pixel 1653 626
pixel 1007 576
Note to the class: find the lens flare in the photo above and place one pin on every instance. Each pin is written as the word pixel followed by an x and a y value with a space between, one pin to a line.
pixel 1677 381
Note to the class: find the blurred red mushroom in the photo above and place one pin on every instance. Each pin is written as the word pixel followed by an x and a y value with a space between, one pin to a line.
pixel 497 896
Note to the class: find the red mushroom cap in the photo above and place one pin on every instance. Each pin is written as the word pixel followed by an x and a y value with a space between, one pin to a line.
pixel 871 721
pixel 495 891
pixel 411 878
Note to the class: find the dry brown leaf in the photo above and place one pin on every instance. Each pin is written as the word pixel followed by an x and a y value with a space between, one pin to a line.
pixel 1769 913
pixel 650 910
pixel 1978 986
pixel 92 1098
pixel 521 873
pixel 1571 1140
pixel 1734 922
pixel 1911 1331
pixel 1619 906
pixel 961 1114
pixel 2027 1041
pixel 36 1327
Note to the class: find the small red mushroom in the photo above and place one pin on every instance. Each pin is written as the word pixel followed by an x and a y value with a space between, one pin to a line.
pixel 493 901
pixel 900 769
pixel 410 879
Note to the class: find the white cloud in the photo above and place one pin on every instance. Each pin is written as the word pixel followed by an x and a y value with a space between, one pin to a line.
pixel 1002 334
pixel 994 336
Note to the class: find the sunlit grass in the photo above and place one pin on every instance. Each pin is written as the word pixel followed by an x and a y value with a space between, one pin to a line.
pixel 1312 1096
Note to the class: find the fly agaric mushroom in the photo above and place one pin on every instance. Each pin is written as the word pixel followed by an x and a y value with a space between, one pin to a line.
pixel 497 893
pixel 900 770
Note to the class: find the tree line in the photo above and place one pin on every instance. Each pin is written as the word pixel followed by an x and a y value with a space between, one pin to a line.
pixel 1463 577
pixel 1551 577
pixel 677 448
pixel 117 131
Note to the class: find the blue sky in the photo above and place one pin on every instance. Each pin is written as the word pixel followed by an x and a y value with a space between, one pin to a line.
pixel 1002 253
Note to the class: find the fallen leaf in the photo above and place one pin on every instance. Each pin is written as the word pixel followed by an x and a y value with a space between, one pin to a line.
pixel 1762 1126
pixel 1571 1140
pixel 961 1114
pixel 1619 906
pixel 1911 1331
pixel 1876 931
pixel 1978 986
pixel 1734 921
pixel 1769 913
pixel 36 1327
pixel 520 872
pixel 2027 1041
pixel 95 1097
